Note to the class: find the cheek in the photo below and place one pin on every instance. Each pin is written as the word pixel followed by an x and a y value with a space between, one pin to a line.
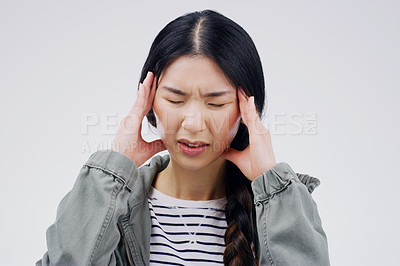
pixel 167 123
pixel 225 127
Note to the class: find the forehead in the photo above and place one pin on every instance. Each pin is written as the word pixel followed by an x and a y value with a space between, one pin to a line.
pixel 195 75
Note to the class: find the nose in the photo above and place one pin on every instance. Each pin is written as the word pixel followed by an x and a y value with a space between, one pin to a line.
pixel 193 122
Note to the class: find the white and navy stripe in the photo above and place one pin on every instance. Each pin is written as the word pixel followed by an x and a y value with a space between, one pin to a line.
pixel 199 242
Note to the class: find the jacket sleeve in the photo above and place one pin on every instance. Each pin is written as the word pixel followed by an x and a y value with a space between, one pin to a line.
pixel 289 227
pixel 85 231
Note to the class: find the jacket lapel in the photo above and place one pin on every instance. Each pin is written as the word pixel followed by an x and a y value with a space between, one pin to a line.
pixel 136 225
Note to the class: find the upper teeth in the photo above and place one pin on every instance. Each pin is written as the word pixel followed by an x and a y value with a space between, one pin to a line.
pixel 192 145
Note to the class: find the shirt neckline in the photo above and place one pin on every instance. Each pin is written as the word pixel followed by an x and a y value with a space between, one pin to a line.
pixel 172 201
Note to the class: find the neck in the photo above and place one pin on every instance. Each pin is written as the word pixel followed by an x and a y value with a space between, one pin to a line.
pixel 207 183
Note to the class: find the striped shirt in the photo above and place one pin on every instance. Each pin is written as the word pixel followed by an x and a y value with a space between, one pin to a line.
pixel 186 232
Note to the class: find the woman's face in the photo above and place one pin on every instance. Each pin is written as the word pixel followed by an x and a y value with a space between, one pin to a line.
pixel 195 102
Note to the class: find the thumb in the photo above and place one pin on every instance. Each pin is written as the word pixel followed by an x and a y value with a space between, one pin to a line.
pixel 157 146
pixel 231 155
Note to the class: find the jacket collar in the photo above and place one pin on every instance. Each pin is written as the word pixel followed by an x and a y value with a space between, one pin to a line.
pixel 145 177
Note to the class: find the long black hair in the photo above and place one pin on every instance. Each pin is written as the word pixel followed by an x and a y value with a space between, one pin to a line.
pixel 211 34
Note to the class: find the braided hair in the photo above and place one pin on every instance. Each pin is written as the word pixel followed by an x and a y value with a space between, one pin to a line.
pixel 241 237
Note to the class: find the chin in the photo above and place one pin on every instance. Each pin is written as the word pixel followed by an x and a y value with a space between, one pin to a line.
pixel 192 163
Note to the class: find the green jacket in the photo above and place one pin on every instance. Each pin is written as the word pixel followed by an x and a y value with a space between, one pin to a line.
pixel 105 218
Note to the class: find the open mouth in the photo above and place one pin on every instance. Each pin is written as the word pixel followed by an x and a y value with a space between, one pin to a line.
pixel 190 145
pixel 192 149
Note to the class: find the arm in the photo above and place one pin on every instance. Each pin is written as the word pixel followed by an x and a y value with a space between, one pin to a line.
pixel 85 231
pixel 289 227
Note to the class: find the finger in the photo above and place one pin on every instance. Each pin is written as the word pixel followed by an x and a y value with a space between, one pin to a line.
pixel 239 158
pixel 147 85
pixel 152 95
pixel 139 105
pixel 252 115
pixel 148 79
pixel 251 110
pixel 157 146
pixel 141 99
pixel 243 105
pixel 242 93
pixel 138 110
pixel 129 125
pixel 153 87
pixel 231 155
pixel 256 128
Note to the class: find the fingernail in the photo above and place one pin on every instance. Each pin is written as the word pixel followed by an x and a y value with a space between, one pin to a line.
pixel 148 73
pixel 140 87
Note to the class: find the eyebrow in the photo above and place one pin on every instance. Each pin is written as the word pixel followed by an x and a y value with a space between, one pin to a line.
pixel 211 94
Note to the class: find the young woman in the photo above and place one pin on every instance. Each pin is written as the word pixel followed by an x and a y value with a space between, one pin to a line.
pixel 218 196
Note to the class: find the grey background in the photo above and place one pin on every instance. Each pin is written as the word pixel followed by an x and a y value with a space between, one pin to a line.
pixel 64 60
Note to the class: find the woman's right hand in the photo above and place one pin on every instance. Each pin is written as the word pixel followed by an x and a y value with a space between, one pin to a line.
pixel 128 139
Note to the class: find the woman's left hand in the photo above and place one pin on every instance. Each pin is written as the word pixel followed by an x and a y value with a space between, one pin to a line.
pixel 259 156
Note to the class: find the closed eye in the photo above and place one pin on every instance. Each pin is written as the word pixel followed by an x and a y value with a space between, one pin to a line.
pixel 212 104
pixel 175 102
pixel 217 105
